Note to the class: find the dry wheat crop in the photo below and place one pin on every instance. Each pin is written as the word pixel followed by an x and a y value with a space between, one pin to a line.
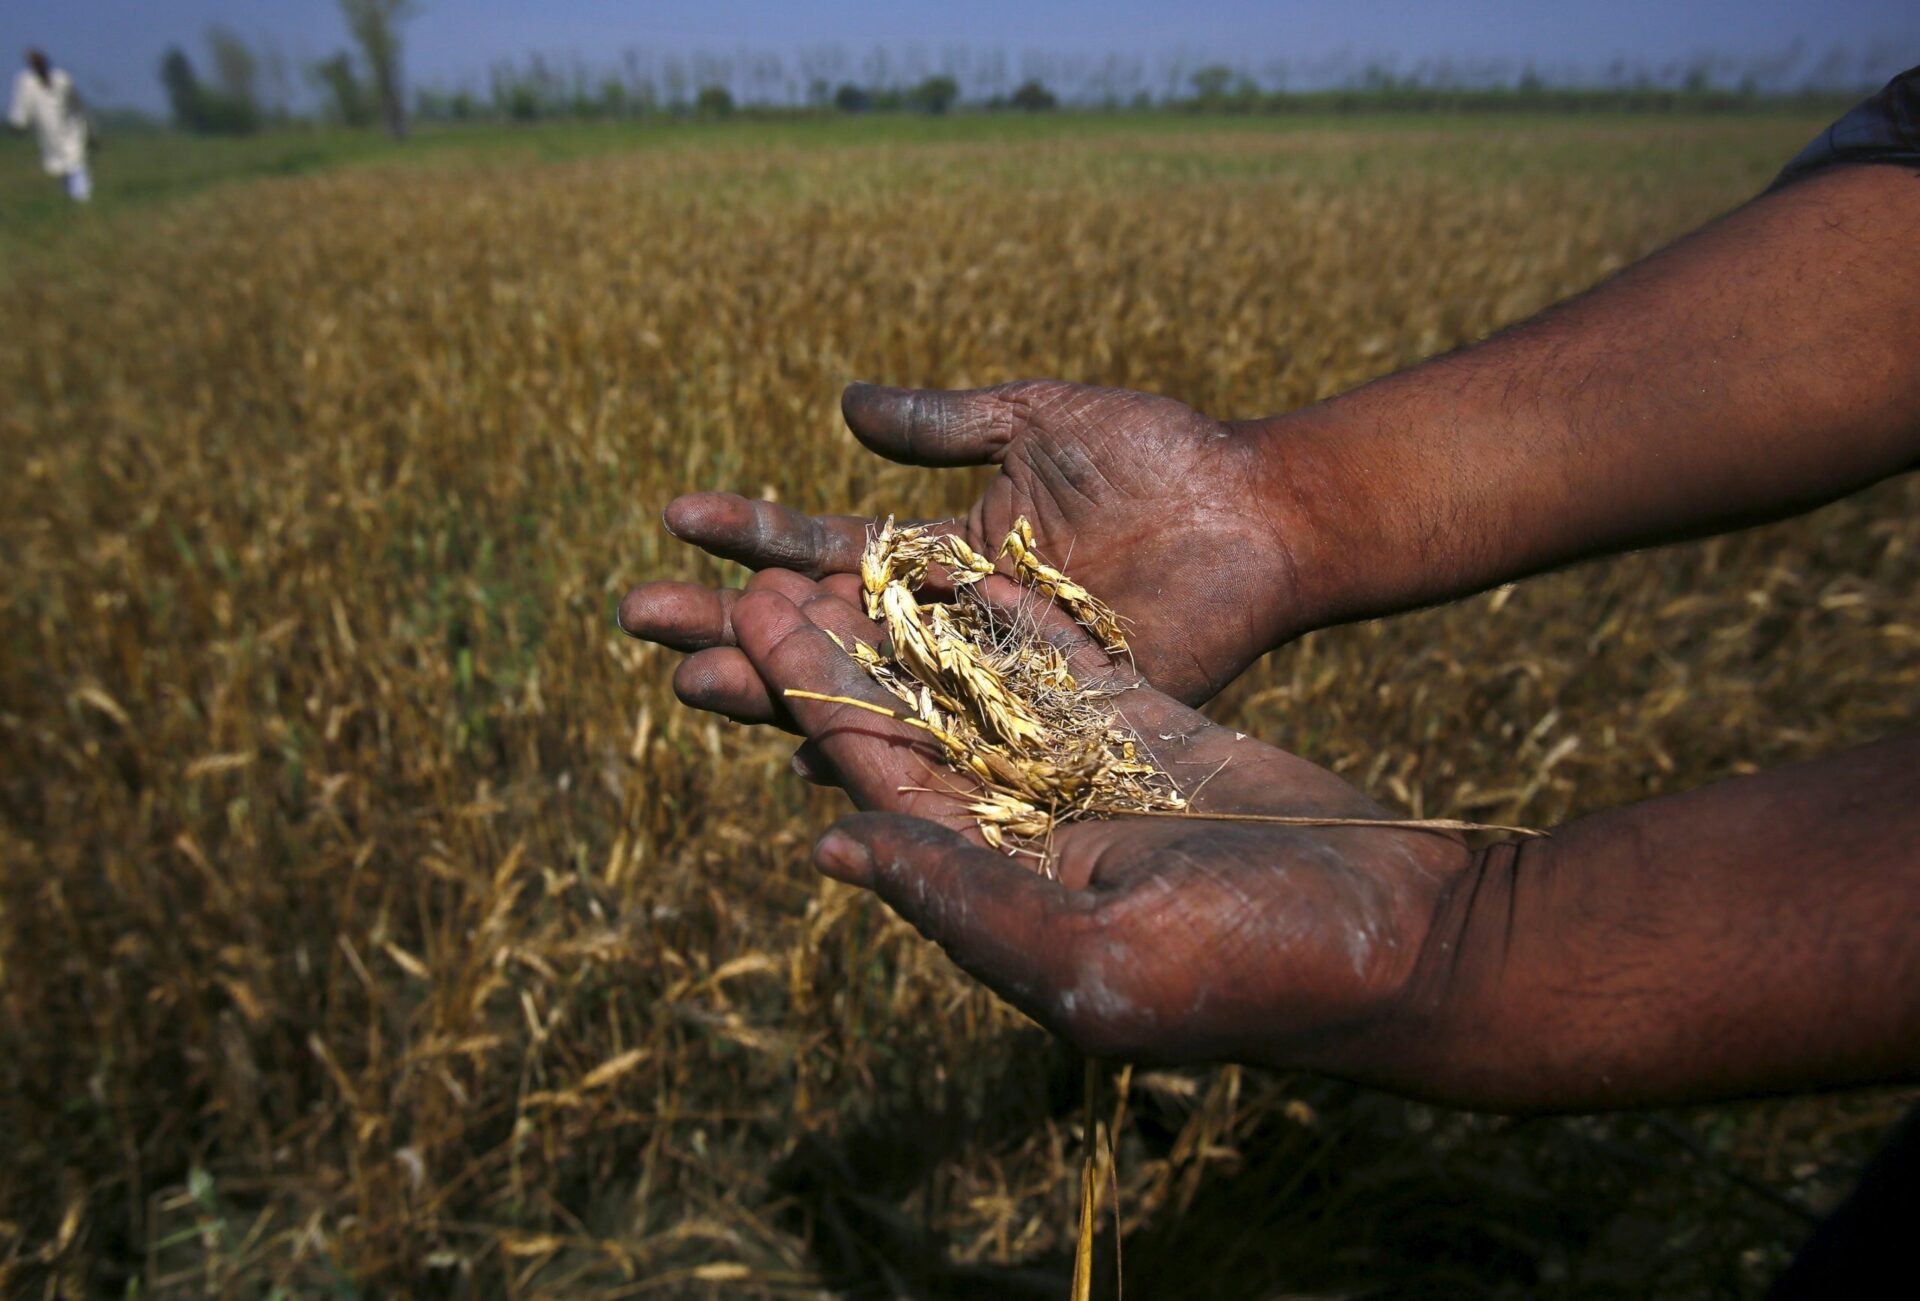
pixel 373 921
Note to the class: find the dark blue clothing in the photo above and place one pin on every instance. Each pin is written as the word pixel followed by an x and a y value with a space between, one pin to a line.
pixel 1884 129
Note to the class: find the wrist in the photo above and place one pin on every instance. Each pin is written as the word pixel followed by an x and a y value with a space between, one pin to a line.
pixel 1444 1025
pixel 1332 508
pixel 1405 492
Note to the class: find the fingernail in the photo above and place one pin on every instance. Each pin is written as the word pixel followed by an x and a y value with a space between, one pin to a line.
pixel 666 522
pixel 843 858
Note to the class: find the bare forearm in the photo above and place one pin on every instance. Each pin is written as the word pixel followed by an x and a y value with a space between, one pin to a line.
pixel 1758 935
pixel 1766 364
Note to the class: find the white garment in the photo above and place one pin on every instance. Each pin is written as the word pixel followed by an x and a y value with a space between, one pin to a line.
pixel 48 107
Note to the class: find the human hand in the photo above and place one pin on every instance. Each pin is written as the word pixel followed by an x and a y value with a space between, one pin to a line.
pixel 1162 938
pixel 1177 521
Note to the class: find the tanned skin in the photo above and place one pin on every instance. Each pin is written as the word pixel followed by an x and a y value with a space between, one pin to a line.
pixel 1747 937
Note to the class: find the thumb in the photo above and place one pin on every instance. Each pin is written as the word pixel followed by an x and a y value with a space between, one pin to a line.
pixel 1002 922
pixel 933 426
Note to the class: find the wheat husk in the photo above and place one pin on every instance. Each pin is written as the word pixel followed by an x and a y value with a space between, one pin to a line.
pixel 997 696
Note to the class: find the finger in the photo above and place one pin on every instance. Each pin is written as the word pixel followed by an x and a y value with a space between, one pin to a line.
pixel 1004 923
pixel 795 587
pixel 692 617
pixel 723 681
pixel 844 619
pixel 767 535
pixel 933 426
pixel 874 756
pixel 684 616
pixel 845 587
pixel 810 765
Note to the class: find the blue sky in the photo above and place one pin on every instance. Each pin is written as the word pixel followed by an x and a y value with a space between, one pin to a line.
pixel 113 46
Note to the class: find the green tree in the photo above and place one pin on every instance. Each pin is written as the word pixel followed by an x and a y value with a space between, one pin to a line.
pixel 235 68
pixel 614 100
pixel 198 107
pixel 1032 96
pixel 343 89
pixel 375 25
pixel 934 95
pixel 713 101
pixel 1210 85
pixel 182 85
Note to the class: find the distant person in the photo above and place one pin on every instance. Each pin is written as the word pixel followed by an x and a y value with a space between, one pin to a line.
pixel 44 99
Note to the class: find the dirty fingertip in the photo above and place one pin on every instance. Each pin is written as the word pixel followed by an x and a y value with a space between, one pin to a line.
pixel 843 858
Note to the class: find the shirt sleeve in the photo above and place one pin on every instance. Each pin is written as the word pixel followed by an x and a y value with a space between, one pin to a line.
pixel 17 111
pixel 1884 129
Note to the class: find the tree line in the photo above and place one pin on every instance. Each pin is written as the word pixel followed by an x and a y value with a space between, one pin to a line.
pixel 363 85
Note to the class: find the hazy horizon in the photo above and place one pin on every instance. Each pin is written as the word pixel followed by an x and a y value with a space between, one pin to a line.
pixel 452 44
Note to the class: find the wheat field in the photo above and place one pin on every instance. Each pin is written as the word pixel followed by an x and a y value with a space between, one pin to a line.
pixel 374 922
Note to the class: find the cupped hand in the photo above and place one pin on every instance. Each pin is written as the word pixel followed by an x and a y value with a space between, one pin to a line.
pixel 1177 521
pixel 1156 938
